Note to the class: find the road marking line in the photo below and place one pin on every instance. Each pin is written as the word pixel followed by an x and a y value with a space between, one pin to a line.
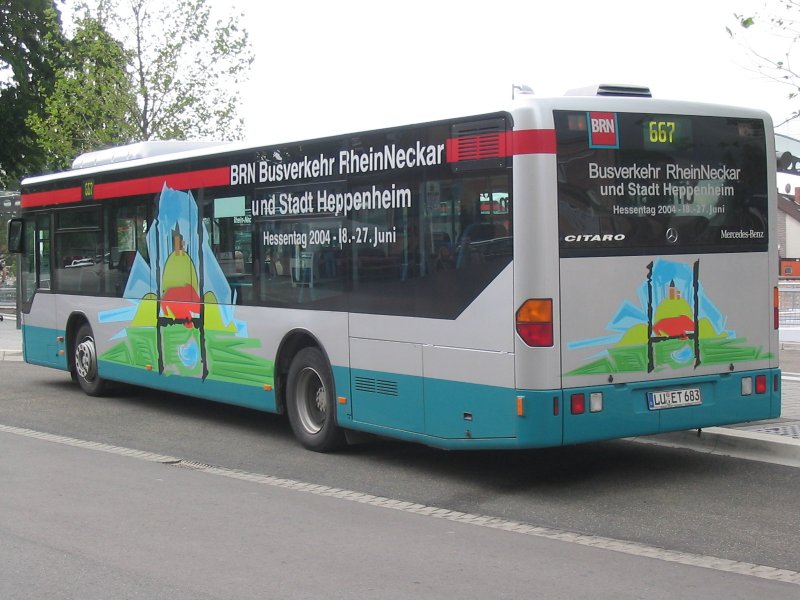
pixel 594 541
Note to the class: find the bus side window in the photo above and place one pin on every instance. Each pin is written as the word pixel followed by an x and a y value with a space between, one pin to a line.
pixel 229 228
pixel 35 272
pixel 126 233
pixel 78 251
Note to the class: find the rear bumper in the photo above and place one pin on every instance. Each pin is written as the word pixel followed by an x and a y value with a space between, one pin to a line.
pixel 626 413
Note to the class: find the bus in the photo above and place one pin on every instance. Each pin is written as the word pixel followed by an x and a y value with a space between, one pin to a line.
pixel 565 270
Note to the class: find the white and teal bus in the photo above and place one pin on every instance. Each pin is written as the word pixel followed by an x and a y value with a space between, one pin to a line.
pixel 570 269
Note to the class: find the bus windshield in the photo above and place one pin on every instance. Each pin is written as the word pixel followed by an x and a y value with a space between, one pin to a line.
pixel 635 184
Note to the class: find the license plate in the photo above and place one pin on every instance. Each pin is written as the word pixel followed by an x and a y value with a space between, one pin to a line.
pixel 673 398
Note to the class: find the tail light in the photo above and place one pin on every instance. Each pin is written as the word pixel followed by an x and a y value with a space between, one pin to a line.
pixel 761 383
pixel 775 308
pixel 577 404
pixel 535 322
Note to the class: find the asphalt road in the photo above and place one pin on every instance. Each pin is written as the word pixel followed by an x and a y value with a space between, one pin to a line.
pixel 83 523
pixel 660 497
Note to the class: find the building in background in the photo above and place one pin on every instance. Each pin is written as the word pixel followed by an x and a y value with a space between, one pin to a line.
pixel 9 207
pixel 788 225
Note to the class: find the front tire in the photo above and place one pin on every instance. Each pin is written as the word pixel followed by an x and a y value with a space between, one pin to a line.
pixel 310 402
pixel 85 363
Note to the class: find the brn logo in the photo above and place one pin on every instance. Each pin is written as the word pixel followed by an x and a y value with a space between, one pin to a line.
pixel 603 131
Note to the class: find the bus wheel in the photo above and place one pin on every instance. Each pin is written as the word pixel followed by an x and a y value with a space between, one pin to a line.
pixel 310 402
pixel 85 359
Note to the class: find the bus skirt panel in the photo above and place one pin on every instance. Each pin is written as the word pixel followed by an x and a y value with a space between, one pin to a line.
pixel 44 346
pixel 626 410
pixel 467 416
pixel 229 392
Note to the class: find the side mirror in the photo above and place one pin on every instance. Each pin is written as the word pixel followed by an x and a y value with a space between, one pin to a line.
pixel 16 236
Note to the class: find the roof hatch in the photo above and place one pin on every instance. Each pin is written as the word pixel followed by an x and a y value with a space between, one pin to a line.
pixel 608 89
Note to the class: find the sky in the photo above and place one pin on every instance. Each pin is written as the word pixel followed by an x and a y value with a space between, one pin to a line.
pixel 326 67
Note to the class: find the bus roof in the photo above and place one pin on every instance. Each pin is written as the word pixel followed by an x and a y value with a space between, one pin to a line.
pixel 138 150
pixel 609 97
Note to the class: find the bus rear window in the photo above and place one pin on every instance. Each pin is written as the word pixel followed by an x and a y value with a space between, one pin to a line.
pixel 633 183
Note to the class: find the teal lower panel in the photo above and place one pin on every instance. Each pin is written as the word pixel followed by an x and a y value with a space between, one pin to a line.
pixel 465 416
pixel 221 391
pixel 470 411
pixel 448 414
pixel 388 399
pixel 625 410
pixel 41 346
pixel 541 425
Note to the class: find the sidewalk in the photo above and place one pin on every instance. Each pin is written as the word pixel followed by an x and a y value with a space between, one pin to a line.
pixel 776 440
pixel 10 336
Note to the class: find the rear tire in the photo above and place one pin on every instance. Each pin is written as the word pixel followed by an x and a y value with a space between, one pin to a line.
pixel 85 363
pixel 310 402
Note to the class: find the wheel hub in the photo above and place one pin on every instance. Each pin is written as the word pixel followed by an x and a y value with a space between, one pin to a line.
pixel 86 359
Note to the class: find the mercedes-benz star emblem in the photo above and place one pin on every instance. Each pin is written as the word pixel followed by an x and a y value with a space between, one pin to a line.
pixel 672 235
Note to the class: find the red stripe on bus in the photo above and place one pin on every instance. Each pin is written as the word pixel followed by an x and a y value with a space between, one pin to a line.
pixel 152 185
pixel 132 187
pixel 501 145
pixel 46 198
pixel 533 141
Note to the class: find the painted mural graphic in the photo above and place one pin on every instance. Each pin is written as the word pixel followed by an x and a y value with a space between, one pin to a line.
pixel 673 325
pixel 182 321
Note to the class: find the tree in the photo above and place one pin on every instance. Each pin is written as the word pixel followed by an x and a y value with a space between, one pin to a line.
pixel 30 34
pixel 782 24
pixel 133 70
pixel 92 103
pixel 186 71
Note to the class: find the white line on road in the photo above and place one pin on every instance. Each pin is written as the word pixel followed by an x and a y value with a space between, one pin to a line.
pixel 594 541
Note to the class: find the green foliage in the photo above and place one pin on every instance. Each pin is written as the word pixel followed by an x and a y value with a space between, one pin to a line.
pixel 187 70
pixel 30 40
pixel 133 70
pixel 92 102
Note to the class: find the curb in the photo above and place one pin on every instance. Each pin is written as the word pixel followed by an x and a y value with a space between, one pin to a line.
pixel 13 355
pixel 750 445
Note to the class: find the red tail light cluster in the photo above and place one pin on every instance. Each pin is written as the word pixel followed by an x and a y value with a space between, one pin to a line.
pixel 776 316
pixel 577 403
pixel 535 322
